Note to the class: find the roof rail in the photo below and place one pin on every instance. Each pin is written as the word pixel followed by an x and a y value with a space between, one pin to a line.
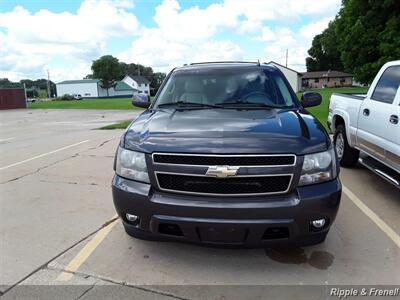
pixel 225 62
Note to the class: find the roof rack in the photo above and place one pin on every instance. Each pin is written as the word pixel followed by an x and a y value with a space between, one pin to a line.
pixel 226 62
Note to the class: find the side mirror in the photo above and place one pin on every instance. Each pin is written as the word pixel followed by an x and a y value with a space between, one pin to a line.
pixel 309 99
pixel 141 100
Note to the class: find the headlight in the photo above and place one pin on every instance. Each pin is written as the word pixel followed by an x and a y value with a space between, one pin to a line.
pixel 132 165
pixel 318 167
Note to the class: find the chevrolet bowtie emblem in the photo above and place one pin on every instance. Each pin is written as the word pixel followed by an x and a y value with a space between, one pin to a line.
pixel 222 171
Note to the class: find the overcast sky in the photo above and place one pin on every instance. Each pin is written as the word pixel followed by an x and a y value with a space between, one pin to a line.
pixel 65 36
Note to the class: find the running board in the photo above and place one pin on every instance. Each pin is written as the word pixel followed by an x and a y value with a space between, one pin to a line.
pixel 381 170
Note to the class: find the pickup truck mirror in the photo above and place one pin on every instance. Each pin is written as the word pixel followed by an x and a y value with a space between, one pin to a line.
pixel 309 99
pixel 141 100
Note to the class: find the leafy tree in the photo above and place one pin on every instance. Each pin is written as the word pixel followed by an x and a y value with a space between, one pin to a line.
pixel 28 83
pixel 88 76
pixel 324 54
pixel 363 36
pixel 41 84
pixel 155 78
pixel 108 69
pixel 155 81
pixel 5 83
pixel 369 36
pixel 137 69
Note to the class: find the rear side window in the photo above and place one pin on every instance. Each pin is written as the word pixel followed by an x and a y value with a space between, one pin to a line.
pixel 387 86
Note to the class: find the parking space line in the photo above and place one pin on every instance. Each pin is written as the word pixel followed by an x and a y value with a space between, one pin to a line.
pixel 81 257
pixel 42 155
pixel 6 140
pixel 373 216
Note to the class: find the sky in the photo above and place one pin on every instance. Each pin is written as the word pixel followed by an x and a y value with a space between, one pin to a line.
pixel 64 37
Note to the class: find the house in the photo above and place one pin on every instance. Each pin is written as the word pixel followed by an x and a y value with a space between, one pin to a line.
pixel 91 88
pixel 291 75
pixel 138 82
pixel 330 78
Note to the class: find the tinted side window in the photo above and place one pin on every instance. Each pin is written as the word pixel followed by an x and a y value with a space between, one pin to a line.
pixel 387 86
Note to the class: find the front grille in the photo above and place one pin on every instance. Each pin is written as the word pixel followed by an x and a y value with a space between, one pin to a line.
pixel 230 160
pixel 240 185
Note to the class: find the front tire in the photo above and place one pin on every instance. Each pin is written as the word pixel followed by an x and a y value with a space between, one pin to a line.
pixel 347 155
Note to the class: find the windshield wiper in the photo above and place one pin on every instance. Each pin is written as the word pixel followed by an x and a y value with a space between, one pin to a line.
pixel 248 103
pixel 188 104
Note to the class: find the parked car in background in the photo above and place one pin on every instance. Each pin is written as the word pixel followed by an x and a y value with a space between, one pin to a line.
pixel 366 128
pixel 227 154
pixel 77 96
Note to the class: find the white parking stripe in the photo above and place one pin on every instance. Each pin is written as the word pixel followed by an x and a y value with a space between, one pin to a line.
pixel 5 140
pixel 42 155
pixel 373 216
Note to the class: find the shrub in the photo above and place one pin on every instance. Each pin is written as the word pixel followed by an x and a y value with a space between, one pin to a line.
pixel 64 97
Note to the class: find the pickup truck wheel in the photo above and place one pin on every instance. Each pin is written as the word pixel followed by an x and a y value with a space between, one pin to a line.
pixel 347 156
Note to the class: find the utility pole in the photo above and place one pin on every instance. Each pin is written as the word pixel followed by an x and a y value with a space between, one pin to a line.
pixel 26 98
pixel 48 84
pixel 286 56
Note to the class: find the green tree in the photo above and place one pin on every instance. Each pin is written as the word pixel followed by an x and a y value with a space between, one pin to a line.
pixel 5 83
pixel 363 36
pixel 41 84
pixel 324 54
pixel 155 78
pixel 369 36
pixel 137 69
pixel 155 82
pixel 108 69
pixel 28 83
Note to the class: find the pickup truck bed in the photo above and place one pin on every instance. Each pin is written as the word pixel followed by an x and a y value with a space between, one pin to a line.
pixel 351 95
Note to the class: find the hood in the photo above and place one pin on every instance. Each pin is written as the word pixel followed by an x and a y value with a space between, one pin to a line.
pixel 226 131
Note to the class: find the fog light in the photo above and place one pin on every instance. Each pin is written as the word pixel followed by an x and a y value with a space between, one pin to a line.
pixel 131 218
pixel 318 223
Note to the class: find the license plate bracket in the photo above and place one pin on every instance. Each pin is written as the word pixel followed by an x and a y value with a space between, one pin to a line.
pixel 222 234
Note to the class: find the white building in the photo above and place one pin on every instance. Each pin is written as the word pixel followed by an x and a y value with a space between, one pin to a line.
pixel 84 87
pixel 138 82
pixel 91 88
pixel 291 75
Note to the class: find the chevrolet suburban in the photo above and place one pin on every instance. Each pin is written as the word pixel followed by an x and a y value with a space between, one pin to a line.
pixel 227 155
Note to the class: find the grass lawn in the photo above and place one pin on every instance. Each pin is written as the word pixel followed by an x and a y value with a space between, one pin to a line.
pixel 121 125
pixel 321 111
pixel 101 103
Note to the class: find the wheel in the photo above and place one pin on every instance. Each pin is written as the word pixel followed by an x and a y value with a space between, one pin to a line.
pixel 347 156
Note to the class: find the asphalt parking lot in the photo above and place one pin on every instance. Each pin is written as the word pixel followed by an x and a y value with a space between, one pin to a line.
pixel 58 226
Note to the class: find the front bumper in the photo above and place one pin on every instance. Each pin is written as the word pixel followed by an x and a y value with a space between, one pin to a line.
pixel 244 221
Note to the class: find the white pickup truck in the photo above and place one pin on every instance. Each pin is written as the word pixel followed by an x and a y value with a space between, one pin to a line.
pixel 366 128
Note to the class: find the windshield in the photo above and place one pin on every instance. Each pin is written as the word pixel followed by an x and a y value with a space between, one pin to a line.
pixel 227 86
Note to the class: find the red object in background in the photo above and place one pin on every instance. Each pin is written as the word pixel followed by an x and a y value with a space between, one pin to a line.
pixel 12 98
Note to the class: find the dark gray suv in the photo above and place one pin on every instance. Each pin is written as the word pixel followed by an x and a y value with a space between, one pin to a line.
pixel 226 154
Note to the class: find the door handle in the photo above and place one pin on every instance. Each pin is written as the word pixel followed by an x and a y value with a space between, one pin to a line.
pixel 366 112
pixel 394 119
